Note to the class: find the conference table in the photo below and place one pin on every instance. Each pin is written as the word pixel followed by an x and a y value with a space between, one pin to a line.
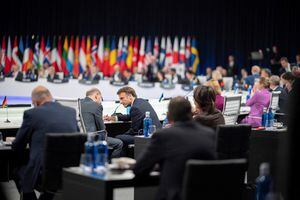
pixel 78 185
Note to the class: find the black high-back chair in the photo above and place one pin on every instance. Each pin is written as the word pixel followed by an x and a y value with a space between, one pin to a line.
pixel 61 150
pixel 233 141
pixel 214 179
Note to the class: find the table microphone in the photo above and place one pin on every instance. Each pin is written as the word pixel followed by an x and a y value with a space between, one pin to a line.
pixel 114 113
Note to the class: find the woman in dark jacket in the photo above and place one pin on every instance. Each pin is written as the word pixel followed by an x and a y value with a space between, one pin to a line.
pixel 206 112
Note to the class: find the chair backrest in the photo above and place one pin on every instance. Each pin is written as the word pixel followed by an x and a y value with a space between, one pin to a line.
pixel 228 82
pixel 233 141
pixel 70 102
pixel 61 150
pixel 214 180
pixel 81 124
pixel 231 109
pixel 274 102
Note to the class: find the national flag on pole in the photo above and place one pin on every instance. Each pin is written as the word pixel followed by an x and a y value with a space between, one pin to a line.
pixel 21 48
pixel 175 57
pixel 162 55
pixel 120 45
pixel 106 58
pixel 95 59
pixel 195 60
pixel 135 52
pixel 15 56
pixel 47 58
pixel 36 62
pixel 112 55
pixel 88 52
pixel 65 57
pixel 76 59
pixel 130 54
pixel 156 48
pixel 41 52
pixel 3 52
pixel 4 102
pixel 124 54
pixel 82 55
pixel 59 55
pixel 54 55
pixel 8 57
pixel 188 53
pixel 70 56
pixel 182 51
pixel 168 60
pixel 142 55
pixel 148 52
pixel 100 53
pixel 26 56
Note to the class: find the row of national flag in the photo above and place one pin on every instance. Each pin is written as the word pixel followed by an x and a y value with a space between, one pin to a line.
pixel 73 55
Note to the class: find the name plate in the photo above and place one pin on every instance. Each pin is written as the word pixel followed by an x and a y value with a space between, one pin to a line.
pixel 146 84
pixel 60 81
pixel 26 80
pixel 187 87
pixel 167 86
pixel 88 82
pixel 118 83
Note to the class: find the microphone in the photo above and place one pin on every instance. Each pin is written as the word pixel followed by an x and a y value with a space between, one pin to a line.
pixel 187 94
pixel 114 113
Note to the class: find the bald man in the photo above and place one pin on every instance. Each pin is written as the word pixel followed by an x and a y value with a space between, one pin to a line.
pixel 46 117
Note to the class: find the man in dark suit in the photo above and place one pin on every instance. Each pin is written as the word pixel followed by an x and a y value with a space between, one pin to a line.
pixel 138 109
pixel 275 87
pixel 91 110
pixel 172 147
pixel 46 117
pixel 250 80
pixel 285 66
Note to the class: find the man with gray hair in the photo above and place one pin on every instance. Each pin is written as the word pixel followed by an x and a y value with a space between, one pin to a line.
pixel 275 87
pixel 46 117
pixel 91 110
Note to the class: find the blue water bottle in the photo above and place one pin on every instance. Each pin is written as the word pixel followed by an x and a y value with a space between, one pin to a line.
pixel 270 118
pixel 147 123
pixel 101 154
pixel 89 152
pixel 165 122
pixel 264 118
pixel 236 88
pixel 249 92
pixel 263 182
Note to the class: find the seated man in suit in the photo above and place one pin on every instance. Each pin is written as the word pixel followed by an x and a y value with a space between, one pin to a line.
pixel 139 106
pixel 46 117
pixel 275 87
pixel 91 110
pixel 172 147
pixel 250 80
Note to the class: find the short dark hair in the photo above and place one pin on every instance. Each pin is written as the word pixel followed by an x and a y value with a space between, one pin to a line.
pixel 205 97
pixel 127 90
pixel 284 59
pixel 288 76
pixel 268 71
pixel 179 109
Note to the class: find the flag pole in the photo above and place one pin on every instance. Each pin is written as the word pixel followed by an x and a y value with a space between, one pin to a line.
pixel 6 121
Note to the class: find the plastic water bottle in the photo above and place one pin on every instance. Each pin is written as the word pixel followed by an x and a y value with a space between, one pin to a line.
pixel 1 139
pixel 101 155
pixel 147 123
pixel 165 123
pixel 263 182
pixel 236 88
pixel 264 118
pixel 249 92
pixel 270 118
pixel 89 153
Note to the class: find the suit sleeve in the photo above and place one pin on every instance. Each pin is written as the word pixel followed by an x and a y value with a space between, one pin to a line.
pixel 122 117
pixel 252 100
pixel 99 118
pixel 136 120
pixel 149 157
pixel 24 133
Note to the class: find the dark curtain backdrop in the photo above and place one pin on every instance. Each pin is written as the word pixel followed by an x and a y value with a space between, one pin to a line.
pixel 222 27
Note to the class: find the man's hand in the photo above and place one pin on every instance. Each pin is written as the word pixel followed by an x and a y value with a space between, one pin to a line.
pixel 109 118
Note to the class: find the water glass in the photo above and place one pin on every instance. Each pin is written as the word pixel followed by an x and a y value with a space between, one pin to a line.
pixel 152 129
pixel 86 163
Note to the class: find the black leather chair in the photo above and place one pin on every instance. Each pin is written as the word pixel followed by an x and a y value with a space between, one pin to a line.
pixel 61 150
pixel 214 180
pixel 233 141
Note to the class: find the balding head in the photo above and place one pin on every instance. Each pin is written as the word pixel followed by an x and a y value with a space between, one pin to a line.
pixel 255 69
pixel 40 95
pixel 95 95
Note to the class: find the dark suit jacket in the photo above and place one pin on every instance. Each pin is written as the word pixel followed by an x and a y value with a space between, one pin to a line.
pixel 92 115
pixel 282 99
pixel 137 115
pixel 50 117
pixel 249 80
pixel 171 148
